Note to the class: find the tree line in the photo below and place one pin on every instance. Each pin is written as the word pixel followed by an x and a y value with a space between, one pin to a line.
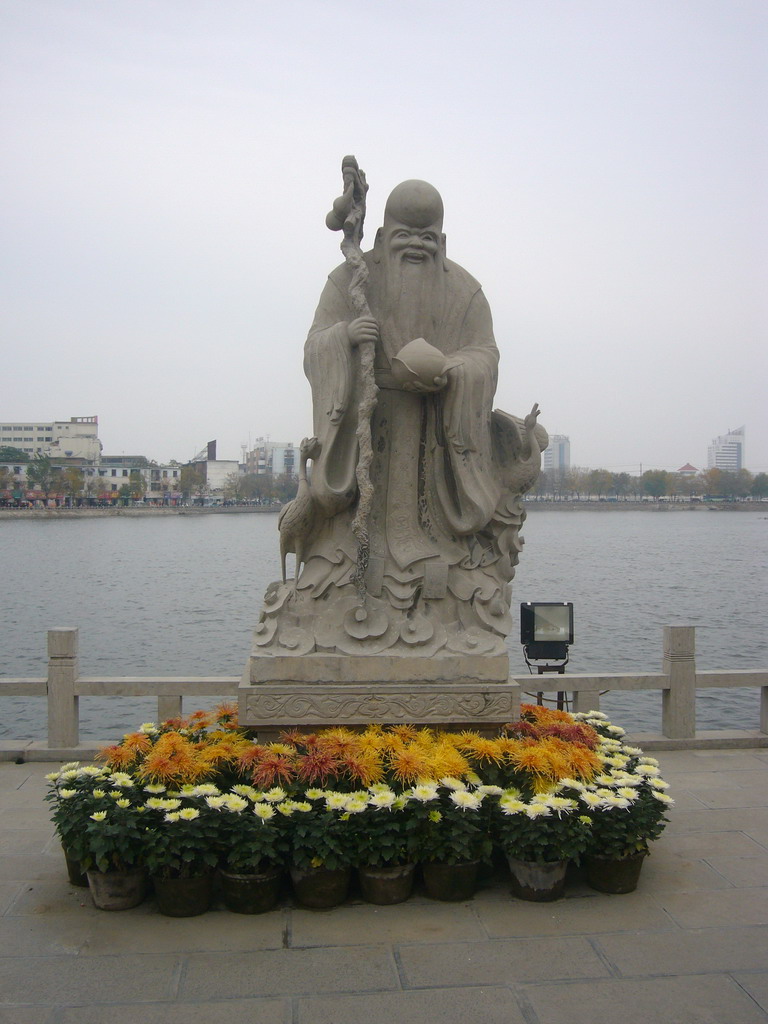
pixel 581 483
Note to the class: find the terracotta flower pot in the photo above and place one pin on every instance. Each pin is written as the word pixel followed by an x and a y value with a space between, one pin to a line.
pixel 538 882
pixel 386 885
pixel 183 897
pixel 117 890
pixel 320 888
pixel 250 893
pixel 615 876
pixel 450 882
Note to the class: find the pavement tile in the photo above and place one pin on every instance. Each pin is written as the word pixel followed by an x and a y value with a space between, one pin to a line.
pixel 743 872
pixel 500 962
pixel 230 1011
pixel 726 819
pixel 700 951
pixel 686 1000
pixel 668 872
pixel 210 976
pixel 755 795
pixel 9 892
pixel 489 1005
pixel 43 936
pixel 58 897
pixel 152 932
pixel 68 980
pixel 26 867
pixel 720 909
pixel 412 921
pixel 705 845
pixel 22 814
pixel 24 841
pixel 756 985
pixel 587 915
pixel 27 1015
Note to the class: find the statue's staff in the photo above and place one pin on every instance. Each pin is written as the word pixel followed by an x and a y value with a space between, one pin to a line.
pixel 348 215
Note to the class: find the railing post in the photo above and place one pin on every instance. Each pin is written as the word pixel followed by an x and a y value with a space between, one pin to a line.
pixel 586 700
pixel 168 707
pixel 63 704
pixel 678 707
pixel 764 709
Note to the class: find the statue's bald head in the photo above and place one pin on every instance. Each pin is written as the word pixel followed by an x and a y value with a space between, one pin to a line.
pixel 415 203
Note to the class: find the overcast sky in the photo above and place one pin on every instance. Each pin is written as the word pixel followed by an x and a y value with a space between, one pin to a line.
pixel 167 166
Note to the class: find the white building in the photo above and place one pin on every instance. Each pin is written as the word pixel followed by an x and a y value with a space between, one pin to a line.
pixel 727 451
pixel 275 457
pixel 557 457
pixel 76 438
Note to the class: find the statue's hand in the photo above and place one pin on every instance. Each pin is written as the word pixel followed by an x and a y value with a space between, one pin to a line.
pixel 438 383
pixel 364 328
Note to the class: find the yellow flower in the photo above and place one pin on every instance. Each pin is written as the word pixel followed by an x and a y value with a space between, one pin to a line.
pixel 99 815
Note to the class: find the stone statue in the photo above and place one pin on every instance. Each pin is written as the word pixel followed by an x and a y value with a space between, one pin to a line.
pixel 410 517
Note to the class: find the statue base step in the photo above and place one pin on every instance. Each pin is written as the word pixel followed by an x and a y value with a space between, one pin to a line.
pixel 314 691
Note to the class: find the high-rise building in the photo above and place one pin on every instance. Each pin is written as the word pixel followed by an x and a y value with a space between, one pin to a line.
pixel 727 451
pixel 558 455
pixel 275 457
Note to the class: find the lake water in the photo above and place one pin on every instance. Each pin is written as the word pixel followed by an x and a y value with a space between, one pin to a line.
pixel 181 594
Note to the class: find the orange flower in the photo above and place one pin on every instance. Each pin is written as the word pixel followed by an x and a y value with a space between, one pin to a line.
pixel 173 761
pixel 409 764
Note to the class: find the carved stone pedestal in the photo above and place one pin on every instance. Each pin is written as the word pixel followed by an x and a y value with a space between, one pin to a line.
pixel 313 691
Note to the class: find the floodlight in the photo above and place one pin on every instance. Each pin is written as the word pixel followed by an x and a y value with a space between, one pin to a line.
pixel 546 632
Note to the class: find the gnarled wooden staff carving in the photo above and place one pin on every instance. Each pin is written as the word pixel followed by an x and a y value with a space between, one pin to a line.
pixel 348 215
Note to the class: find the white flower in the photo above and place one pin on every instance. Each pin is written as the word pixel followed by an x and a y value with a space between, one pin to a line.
pixel 590 798
pixel 52 776
pixel 98 815
pixel 465 800
pixel 121 779
pixel 649 760
pixel 649 770
pixel 70 775
pixel 627 793
pixel 216 803
pixel 69 766
pixel 247 791
pixel 658 784
pixel 99 794
pixel 265 811
pixel 67 794
pixel 452 783
pixel 569 784
pixel 206 789
pixel 561 803
pixel 489 790
pixel 511 805
pixel 616 730
pixel 189 813
pixel 123 803
pixel 662 797
pixel 538 810
pixel 633 751
pixel 275 795
pixel 154 787
pixel 91 770
pixel 149 728
pixel 172 816
pixel 425 792
pixel 385 799
pixel 336 801
pixel 314 794
pixel 236 803
pixel 614 801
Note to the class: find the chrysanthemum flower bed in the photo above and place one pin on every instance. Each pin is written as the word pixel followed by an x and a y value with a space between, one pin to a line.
pixel 191 795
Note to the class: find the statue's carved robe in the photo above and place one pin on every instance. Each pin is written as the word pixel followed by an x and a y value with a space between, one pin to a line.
pixel 433 472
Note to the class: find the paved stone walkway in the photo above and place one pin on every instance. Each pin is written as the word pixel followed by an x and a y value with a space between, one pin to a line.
pixel 689 947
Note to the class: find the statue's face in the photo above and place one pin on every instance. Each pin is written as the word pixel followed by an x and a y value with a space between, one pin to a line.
pixel 413 244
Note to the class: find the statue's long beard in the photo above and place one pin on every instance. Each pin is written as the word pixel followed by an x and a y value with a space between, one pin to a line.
pixel 409 301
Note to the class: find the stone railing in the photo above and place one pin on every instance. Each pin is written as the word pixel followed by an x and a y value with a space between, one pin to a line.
pixel 677 682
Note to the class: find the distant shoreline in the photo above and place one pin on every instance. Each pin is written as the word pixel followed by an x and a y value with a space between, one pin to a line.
pixel 50 514
pixel 129 513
